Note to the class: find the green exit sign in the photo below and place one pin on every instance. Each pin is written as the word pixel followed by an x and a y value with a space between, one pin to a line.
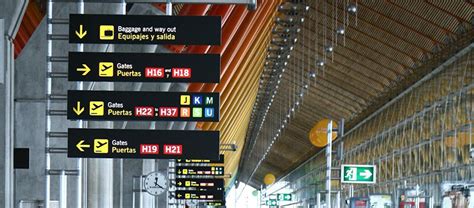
pixel 358 174
pixel 284 197
pixel 271 202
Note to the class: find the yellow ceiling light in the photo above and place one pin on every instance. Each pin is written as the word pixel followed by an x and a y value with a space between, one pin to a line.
pixel 318 134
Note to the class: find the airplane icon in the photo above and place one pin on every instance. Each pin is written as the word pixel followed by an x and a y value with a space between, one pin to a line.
pixel 106 69
pixel 101 146
pixel 96 106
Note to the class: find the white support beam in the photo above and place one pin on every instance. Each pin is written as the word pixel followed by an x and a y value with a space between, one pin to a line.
pixel 3 58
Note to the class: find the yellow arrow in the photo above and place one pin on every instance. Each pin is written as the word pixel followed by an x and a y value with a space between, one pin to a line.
pixel 179 183
pixel 81 32
pixel 179 171
pixel 81 145
pixel 78 110
pixel 86 69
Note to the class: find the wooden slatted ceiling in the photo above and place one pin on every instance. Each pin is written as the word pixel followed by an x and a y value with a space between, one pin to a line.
pixel 381 55
pixel 239 85
pixel 239 92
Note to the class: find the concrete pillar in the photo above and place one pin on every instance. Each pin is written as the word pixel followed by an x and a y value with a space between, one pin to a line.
pixel 100 172
pixel 147 200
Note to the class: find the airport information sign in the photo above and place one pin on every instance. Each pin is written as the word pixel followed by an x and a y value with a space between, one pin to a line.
pixel 218 203
pixel 362 174
pixel 271 202
pixel 155 144
pixel 144 67
pixel 201 184
pixel 200 170
pixel 284 197
pixel 220 160
pixel 199 195
pixel 151 106
pixel 144 29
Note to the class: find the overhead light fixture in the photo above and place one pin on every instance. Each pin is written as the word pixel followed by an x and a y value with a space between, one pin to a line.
pixel 340 31
pixel 352 8
pixel 329 49
pixel 320 63
pixel 312 73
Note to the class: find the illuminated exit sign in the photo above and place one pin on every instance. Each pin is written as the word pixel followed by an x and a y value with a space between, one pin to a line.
pixel 144 67
pixel 154 144
pixel 362 174
pixel 145 106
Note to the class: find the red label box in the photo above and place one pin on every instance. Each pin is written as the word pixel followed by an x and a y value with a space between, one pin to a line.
pixel 154 72
pixel 144 111
pixel 149 149
pixel 170 112
pixel 172 149
pixel 181 73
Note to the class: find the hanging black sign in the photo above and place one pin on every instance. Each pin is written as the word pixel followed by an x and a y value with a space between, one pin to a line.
pixel 220 160
pixel 154 106
pixel 200 184
pixel 200 170
pixel 144 67
pixel 156 144
pixel 144 29
pixel 200 195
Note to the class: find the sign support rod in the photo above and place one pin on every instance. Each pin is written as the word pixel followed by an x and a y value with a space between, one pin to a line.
pixel 328 164
pixel 169 8
pixel 81 163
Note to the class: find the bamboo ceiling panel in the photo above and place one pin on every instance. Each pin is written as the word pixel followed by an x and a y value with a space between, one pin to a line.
pixel 390 46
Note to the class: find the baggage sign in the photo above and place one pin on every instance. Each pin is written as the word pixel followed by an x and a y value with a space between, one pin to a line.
pixel 144 29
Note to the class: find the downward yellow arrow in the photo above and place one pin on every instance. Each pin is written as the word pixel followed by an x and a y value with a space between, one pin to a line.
pixel 85 70
pixel 78 110
pixel 81 32
pixel 81 145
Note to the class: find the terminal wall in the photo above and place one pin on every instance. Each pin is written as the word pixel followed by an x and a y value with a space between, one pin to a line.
pixel 423 138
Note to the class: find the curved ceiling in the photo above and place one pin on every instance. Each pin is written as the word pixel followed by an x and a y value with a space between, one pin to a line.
pixel 389 46
pixel 386 46
pixel 245 36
